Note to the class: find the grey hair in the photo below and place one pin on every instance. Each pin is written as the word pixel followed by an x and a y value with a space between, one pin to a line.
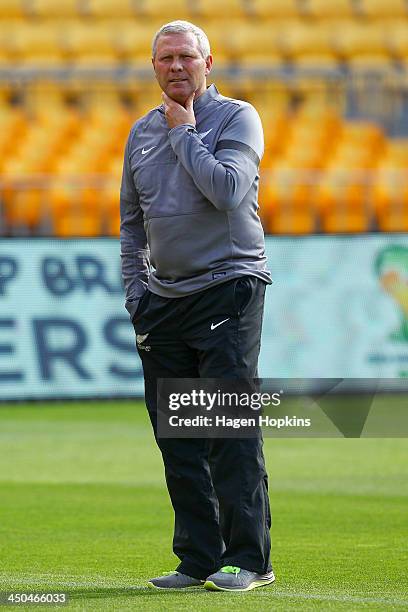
pixel 178 27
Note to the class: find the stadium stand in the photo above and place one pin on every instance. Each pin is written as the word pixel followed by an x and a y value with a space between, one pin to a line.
pixel 328 78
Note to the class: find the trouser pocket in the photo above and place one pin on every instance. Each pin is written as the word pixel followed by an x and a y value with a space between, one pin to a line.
pixel 242 293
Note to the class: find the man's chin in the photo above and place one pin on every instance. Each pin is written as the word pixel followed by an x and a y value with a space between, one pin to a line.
pixel 178 93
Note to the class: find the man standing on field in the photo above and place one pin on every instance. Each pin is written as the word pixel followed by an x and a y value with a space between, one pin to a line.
pixel 194 270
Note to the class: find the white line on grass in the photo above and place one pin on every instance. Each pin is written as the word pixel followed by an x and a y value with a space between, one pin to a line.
pixel 70 581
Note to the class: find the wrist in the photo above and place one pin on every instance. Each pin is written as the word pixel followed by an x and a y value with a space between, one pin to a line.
pixel 188 127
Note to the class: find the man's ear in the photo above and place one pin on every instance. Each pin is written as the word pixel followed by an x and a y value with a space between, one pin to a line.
pixel 208 64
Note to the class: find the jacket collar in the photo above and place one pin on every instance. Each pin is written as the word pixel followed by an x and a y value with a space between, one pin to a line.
pixel 210 93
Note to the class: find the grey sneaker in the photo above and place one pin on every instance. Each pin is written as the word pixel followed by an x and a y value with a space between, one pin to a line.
pixel 174 580
pixel 231 578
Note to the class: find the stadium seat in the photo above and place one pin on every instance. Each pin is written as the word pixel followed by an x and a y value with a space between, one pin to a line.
pixel 396 152
pixel 116 9
pixel 77 223
pixel 278 9
pixel 286 201
pixel 390 191
pixel 390 199
pixel 133 42
pixel 214 9
pixel 380 9
pixel 55 8
pixel 223 38
pixel 342 201
pixel 166 11
pixel 25 210
pixel 13 127
pixel 39 45
pixel 323 9
pixel 109 197
pixel 91 44
pixel 396 37
pixel 362 135
pixel 10 9
pixel 362 46
pixel 308 45
pixel 256 46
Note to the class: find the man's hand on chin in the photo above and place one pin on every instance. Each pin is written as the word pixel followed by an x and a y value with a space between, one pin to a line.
pixel 176 114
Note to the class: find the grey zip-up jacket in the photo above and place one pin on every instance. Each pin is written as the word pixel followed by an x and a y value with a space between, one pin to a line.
pixel 188 200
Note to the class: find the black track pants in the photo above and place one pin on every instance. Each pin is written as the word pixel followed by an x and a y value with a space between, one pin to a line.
pixel 218 487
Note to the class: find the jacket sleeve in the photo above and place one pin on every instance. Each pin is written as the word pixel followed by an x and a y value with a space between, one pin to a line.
pixel 225 177
pixel 135 254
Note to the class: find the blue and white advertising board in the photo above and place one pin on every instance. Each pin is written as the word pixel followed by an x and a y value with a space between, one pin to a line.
pixel 338 307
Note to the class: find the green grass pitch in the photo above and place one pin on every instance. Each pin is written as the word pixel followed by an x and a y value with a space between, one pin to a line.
pixel 84 509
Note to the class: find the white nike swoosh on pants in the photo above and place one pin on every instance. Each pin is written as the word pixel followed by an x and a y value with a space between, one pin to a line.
pixel 213 326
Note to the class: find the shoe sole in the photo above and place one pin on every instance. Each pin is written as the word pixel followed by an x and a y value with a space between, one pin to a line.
pixel 209 585
pixel 150 585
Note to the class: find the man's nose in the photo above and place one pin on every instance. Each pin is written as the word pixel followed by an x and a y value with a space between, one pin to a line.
pixel 176 65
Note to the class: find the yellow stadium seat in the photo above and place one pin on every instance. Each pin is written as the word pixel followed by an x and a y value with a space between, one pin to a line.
pixel 110 206
pixel 133 41
pixel 112 224
pixel 362 45
pixel 390 199
pixel 324 9
pixel 342 201
pixel 10 9
pixel 286 198
pixel 214 9
pixel 396 153
pixel 78 224
pixel 75 163
pixel 39 44
pixel 362 135
pixel 117 9
pixel 167 11
pixel 25 209
pixel 9 32
pixel 46 101
pixel 308 44
pixel 92 44
pixel 257 44
pixel 396 35
pixel 13 127
pixel 223 38
pixel 55 8
pixel 276 9
pixel 380 9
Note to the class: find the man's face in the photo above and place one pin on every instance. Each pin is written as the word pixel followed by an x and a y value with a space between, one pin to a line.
pixel 179 66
